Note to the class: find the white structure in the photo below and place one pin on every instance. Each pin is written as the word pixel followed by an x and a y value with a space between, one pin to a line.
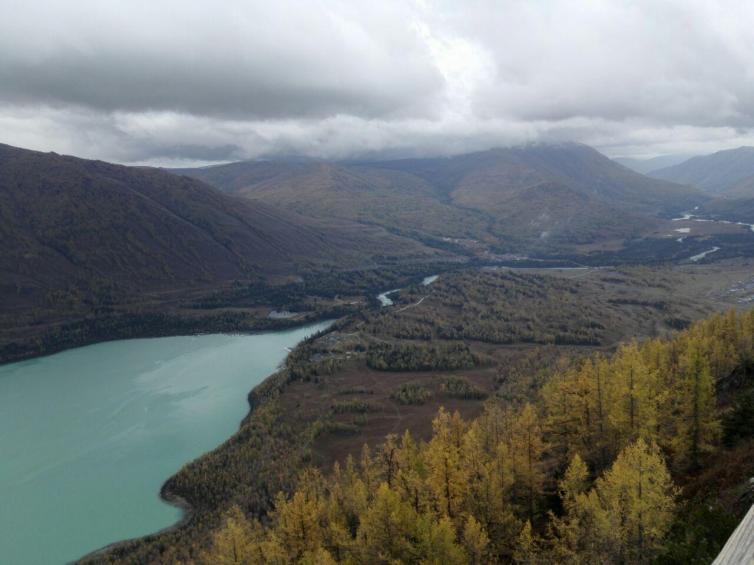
pixel 739 549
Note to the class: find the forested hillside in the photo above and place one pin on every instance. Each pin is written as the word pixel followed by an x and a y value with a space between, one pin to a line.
pixel 599 467
pixel 83 239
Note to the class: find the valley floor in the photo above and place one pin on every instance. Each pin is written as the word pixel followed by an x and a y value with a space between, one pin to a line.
pixel 471 336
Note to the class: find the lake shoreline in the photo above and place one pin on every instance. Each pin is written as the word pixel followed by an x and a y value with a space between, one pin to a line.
pixel 187 513
pixel 232 327
pixel 255 398
pixel 86 331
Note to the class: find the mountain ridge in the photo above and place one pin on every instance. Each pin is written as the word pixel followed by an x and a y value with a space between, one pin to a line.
pixel 478 195
pixel 720 173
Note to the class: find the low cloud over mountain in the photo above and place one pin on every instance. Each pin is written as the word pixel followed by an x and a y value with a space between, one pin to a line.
pixel 192 82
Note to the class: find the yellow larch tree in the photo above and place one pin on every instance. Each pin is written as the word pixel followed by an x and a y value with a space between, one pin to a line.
pixel 527 449
pixel 637 503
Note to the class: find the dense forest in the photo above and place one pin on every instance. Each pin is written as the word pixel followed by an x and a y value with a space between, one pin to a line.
pixel 506 307
pixel 595 469
pixel 404 357
pixel 78 316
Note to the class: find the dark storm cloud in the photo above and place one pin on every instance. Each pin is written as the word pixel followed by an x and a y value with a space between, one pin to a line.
pixel 223 91
pixel 192 81
pixel 245 60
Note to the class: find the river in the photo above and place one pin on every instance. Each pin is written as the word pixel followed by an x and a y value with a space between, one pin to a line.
pixel 689 216
pixel 384 297
pixel 692 217
pixel 88 436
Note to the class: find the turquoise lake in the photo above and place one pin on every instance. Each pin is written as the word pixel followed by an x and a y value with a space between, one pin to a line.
pixel 88 436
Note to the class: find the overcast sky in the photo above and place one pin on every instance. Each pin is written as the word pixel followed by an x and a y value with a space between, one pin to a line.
pixel 193 82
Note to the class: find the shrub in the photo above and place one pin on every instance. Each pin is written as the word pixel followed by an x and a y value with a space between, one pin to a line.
pixel 411 394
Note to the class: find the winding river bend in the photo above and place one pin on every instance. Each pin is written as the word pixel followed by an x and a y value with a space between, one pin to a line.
pixel 88 436
pixel 692 217
pixel 384 297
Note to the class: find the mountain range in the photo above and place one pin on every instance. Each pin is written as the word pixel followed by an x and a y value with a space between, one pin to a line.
pixel 83 237
pixel 527 197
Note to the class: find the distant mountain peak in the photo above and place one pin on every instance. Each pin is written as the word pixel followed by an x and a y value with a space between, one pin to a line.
pixel 724 172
